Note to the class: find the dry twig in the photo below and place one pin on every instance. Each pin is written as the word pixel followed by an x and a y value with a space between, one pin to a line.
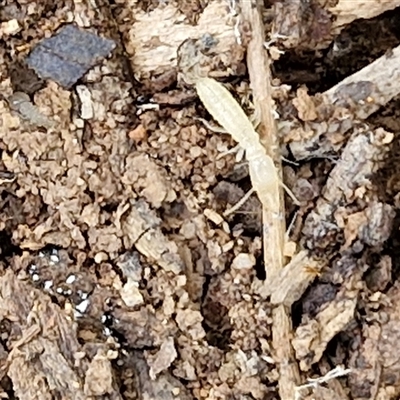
pixel 356 97
pixel 274 228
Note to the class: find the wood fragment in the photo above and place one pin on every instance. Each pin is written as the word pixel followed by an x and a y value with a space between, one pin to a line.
pixel 313 336
pixel 144 232
pixel 155 51
pixel 350 178
pixel 309 25
pixel 45 346
pixel 165 386
pixel 345 12
pixel 293 280
pixel 366 377
pixel 375 344
pixel 274 228
pixel 348 103
pixel 370 88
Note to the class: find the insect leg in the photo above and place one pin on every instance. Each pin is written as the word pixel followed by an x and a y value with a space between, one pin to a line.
pixel 290 194
pixel 239 203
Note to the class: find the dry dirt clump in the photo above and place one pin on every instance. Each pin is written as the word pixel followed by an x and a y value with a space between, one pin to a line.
pixel 122 275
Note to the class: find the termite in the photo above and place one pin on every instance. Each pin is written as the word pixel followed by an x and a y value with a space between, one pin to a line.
pixel 227 112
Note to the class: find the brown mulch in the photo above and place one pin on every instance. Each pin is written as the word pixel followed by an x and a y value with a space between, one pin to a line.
pixel 120 275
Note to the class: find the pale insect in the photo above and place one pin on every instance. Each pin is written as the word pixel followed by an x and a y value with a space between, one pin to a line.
pixel 227 112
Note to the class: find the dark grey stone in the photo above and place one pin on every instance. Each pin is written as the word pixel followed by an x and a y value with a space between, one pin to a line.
pixel 68 55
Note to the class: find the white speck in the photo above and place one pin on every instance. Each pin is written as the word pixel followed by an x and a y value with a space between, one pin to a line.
pixel 82 307
pixel 68 292
pixel 335 47
pixel 70 279
pixel 35 277
pixel 84 296
pixel 149 106
pixel 107 331
pixel 120 363
pixel 41 254
pixel 32 267
pixel 48 285
pixel 59 290
pixel 55 258
pixel 77 314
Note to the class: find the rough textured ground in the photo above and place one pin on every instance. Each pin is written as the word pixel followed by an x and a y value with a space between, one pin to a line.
pixel 120 276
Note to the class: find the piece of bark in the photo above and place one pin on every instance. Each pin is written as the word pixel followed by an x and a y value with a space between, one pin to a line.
pixel 380 274
pixel 345 12
pixel 343 107
pixel 165 386
pixel 141 329
pixel 293 280
pixel 143 231
pixel 99 376
pixel 42 362
pixel 312 337
pixel 162 360
pixel 375 359
pixel 273 226
pixel 300 24
pixel 308 25
pixel 366 362
pixel 349 180
pixel 154 51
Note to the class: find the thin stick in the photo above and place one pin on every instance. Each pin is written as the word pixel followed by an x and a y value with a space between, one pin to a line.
pixel 274 228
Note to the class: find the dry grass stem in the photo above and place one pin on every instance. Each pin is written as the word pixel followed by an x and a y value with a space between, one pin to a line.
pixel 274 228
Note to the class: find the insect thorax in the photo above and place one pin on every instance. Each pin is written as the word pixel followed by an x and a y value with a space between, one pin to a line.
pixel 255 151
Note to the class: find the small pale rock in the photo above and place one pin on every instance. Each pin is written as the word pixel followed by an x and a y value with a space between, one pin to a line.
pixel 10 27
pixel 98 378
pixel 163 359
pixel 243 261
pixel 86 102
pixel 138 134
pixel 213 216
pixel 130 294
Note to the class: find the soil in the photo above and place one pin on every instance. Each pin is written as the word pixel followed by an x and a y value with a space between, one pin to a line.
pixel 121 275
